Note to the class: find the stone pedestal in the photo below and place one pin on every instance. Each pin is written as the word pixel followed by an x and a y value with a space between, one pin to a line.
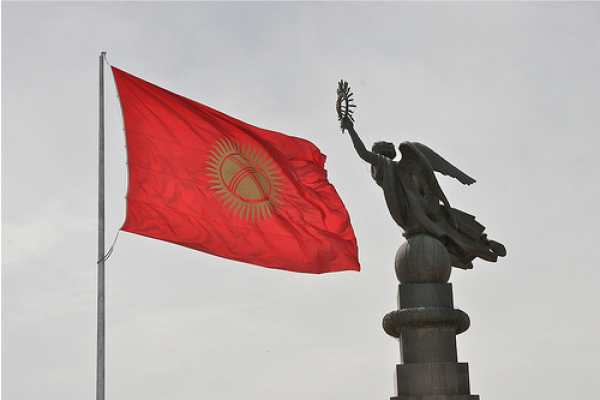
pixel 426 324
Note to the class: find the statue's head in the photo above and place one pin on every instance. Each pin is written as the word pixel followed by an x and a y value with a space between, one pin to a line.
pixel 385 148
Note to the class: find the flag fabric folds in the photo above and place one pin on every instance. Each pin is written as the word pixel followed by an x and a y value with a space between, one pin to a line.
pixel 204 180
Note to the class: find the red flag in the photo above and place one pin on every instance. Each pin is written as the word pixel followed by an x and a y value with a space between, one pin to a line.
pixel 207 181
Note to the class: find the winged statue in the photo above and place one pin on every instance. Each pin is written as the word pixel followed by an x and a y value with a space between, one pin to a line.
pixel 413 195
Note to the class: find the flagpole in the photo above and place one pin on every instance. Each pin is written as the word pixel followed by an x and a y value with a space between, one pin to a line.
pixel 100 313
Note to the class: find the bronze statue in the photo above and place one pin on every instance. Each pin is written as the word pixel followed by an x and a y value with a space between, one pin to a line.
pixel 413 194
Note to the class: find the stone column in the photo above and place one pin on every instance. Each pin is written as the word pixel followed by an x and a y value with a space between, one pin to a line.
pixel 426 324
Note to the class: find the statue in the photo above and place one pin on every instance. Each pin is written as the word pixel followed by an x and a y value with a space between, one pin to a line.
pixel 413 194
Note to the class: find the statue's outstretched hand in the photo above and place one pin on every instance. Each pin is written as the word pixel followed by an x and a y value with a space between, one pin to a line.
pixel 346 124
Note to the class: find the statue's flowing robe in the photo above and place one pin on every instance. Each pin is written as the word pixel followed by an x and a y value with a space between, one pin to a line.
pixel 406 199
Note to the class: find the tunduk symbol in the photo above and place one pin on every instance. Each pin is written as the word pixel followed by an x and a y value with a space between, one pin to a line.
pixel 245 179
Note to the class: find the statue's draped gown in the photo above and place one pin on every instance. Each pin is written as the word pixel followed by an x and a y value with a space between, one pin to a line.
pixel 416 209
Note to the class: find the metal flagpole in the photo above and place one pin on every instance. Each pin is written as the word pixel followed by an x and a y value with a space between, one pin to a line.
pixel 100 323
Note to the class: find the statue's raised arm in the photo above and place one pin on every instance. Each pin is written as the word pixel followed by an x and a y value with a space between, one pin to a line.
pixel 344 107
pixel 413 195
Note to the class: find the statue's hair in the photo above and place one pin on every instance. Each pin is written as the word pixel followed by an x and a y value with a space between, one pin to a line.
pixel 385 148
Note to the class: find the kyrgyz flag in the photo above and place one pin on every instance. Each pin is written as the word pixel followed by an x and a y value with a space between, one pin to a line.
pixel 204 180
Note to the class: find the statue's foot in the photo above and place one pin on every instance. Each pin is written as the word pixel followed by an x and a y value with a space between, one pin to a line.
pixel 462 264
pixel 497 248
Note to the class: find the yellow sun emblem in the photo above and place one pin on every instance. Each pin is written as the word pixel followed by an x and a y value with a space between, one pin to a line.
pixel 246 178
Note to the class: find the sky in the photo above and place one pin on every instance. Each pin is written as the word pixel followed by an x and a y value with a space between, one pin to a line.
pixel 508 92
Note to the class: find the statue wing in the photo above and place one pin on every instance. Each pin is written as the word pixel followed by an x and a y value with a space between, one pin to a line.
pixel 421 165
pixel 439 164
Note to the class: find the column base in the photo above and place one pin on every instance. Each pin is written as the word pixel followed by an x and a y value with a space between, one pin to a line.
pixel 439 397
pixel 433 381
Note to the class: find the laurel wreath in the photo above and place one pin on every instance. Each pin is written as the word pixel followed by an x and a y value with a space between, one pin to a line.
pixel 344 104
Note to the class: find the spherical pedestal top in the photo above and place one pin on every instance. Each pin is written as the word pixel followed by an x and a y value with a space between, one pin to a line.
pixel 423 259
